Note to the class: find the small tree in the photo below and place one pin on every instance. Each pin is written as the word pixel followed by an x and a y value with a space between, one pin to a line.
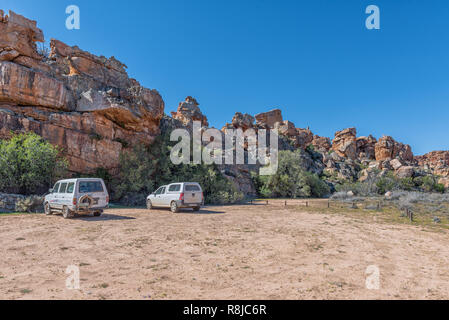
pixel 291 179
pixel 29 164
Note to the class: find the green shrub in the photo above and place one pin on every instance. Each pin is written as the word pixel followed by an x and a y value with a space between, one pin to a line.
pixel 29 164
pixel 291 180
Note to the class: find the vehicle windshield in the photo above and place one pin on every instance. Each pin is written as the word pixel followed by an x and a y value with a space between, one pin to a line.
pixel 90 186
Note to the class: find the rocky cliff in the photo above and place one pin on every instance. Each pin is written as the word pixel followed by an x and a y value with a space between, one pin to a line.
pixel 85 104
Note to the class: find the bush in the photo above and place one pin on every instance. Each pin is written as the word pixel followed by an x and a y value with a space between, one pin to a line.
pixel 291 179
pixel 29 164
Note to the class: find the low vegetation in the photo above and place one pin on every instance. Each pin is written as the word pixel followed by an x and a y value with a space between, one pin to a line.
pixel 29 164
pixel 378 184
pixel 291 180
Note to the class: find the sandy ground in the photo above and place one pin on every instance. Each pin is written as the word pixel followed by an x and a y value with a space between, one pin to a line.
pixel 231 252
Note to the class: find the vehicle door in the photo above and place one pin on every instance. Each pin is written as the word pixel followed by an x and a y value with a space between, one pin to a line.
pixel 173 193
pixel 68 196
pixel 52 196
pixel 192 194
pixel 155 197
pixel 162 197
pixel 61 196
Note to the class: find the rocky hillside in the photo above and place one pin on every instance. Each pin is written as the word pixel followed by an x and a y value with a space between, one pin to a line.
pixel 88 106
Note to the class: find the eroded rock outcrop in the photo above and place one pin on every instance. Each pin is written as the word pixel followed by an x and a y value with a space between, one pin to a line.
pixel 188 112
pixel 87 105
pixel 436 161
pixel 387 149
pixel 268 119
pixel 345 143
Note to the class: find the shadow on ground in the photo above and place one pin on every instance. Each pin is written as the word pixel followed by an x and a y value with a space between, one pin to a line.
pixel 104 217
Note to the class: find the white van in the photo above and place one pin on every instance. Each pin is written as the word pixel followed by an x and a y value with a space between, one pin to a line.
pixel 77 196
pixel 176 196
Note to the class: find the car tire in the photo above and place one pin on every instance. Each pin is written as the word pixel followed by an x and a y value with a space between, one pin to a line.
pixel 67 213
pixel 149 205
pixel 196 209
pixel 98 213
pixel 47 209
pixel 174 207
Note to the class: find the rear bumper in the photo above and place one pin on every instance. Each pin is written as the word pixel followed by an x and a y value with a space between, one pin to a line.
pixel 93 209
pixel 182 204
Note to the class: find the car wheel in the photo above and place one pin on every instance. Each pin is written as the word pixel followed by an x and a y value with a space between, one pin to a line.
pixel 97 213
pixel 47 209
pixel 67 213
pixel 174 207
pixel 196 209
pixel 149 205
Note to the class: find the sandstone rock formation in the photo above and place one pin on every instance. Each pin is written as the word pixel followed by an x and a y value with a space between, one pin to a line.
pixel 387 149
pixel 240 121
pixel 85 104
pixel 188 112
pixel 268 119
pixel 345 143
pixel 321 144
pixel 366 147
pixel 436 161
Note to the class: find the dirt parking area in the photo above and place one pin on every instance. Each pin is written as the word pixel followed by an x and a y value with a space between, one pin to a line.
pixel 230 252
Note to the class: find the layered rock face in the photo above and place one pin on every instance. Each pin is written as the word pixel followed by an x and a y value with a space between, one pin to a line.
pixel 345 143
pixel 269 119
pixel 85 104
pixel 387 148
pixel 188 112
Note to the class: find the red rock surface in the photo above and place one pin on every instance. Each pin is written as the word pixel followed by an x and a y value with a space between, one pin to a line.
pixel 269 119
pixel 437 161
pixel 87 105
pixel 188 112
pixel 387 149
pixel 345 143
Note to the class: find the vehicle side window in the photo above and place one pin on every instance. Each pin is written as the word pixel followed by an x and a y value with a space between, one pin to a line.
pixel 63 188
pixel 174 188
pixel 163 191
pixel 158 191
pixel 56 188
pixel 70 187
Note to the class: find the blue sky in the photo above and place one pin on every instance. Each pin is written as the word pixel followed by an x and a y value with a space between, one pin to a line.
pixel 313 59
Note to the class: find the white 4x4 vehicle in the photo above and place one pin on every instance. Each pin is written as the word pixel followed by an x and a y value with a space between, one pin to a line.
pixel 176 196
pixel 77 196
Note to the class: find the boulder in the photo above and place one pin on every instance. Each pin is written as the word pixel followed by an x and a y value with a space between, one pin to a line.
pixel 366 147
pixel 243 121
pixel 345 143
pixel 388 148
pixel 395 164
pixel 287 128
pixel 321 144
pixel 18 35
pixel 188 112
pixel 303 138
pixel 405 172
pixel 267 120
